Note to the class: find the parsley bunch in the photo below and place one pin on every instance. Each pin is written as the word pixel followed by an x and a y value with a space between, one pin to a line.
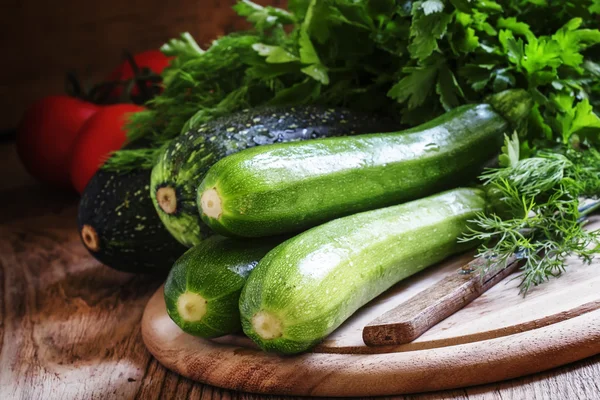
pixel 415 59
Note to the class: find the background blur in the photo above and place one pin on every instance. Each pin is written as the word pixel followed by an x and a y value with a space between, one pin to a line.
pixel 41 40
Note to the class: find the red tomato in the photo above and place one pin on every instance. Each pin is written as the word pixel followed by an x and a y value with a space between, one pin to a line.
pixel 46 136
pixel 154 60
pixel 99 136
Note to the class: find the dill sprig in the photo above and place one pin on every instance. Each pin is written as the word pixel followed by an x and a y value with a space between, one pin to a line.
pixel 536 212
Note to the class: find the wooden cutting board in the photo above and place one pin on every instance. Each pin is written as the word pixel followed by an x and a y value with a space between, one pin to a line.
pixel 499 336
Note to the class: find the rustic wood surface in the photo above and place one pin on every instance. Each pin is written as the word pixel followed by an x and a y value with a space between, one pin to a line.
pixel 69 327
pixel 45 39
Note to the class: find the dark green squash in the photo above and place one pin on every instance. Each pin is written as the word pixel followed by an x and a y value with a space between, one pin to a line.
pixel 119 225
pixel 183 164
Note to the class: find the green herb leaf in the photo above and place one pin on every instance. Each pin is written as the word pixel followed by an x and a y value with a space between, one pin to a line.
pixel 448 89
pixel 274 54
pixel 432 6
pixel 308 54
pixel 415 87
pixel 510 151
pixel 516 27
pixel 466 6
pixel 304 92
pixel 489 6
pixel 185 47
pixel 263 17
pixel 425 31
pixel 572 41
pixel 539 199
pixel 576 118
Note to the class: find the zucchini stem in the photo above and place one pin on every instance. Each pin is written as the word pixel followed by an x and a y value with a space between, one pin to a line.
pixel 211 203
pixel 266 325
pixel 167 199
pixel 191 306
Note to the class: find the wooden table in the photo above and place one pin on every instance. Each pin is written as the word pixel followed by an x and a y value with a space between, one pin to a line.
pixel 70 326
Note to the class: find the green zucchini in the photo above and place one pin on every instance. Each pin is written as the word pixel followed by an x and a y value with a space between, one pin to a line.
pixel 202 291
pixel 184 162
pixel 306 287
pixel 119 226
pixel 290 187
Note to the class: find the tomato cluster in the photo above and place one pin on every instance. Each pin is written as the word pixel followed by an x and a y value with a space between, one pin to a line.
pixel 63 140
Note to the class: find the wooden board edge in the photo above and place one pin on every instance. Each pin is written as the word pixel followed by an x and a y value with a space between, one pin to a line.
pixel 469 338
pixel 320 374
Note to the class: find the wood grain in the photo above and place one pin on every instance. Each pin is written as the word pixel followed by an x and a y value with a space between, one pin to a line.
pixel 409 320
pixel 73 319
pixel 45 39
pixel 322 374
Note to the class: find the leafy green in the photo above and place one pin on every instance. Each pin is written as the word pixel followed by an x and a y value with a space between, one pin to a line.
pixel 416 59
pixel 510 151
pixel 429 24
pixel 274 54
pixel 184 48
pixel 577 118
pixel 415 87
pixel 536 211
pixel 263 17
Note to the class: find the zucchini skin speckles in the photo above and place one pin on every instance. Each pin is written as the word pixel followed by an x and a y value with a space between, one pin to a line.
pixel 183 164
pixel 119 225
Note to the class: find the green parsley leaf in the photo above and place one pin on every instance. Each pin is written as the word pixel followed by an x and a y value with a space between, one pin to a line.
pixel 510 151
pixel 466 6
pixel 263 17
pixel 274 54
pixel 426 30
pixel 572 41
pixel 575 118
pixel 490 6
pixel 318 72
pixel 185 47
pixel 540 54
pixel 432 6
pixel 585 121
pixel 519 28
pixel 538 124
pixel 416 86
pixel 513 48
pixel 308 53
pixel 448 89
pixel 301 93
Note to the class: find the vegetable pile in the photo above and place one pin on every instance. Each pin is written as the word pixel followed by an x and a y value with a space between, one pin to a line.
pixel 265 134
